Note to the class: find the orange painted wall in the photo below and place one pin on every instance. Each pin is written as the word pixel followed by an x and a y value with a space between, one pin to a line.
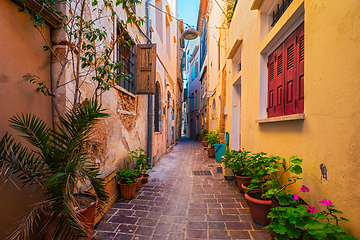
pixel 21 53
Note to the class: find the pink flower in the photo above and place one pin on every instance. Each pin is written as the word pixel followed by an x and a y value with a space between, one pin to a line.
pixel 326 202
pixel 304 189
pixel 296 196
pixel 311 209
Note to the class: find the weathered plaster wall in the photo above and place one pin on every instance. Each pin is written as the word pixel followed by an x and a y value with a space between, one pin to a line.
pixel 329 135
pixel 21 53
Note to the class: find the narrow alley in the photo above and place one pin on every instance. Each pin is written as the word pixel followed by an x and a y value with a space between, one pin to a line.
pixel 181 201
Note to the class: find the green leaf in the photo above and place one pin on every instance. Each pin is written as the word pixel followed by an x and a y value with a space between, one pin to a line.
pixel 296 169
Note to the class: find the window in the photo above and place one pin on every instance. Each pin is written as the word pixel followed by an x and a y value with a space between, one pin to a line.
pixel 157 108
pixel 286 76
pixel 159 19
pixel 124 54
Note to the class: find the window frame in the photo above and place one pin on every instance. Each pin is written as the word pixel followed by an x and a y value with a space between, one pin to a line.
pixel 125 52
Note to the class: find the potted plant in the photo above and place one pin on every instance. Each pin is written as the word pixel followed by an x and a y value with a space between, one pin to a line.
pixel 297 220
pixel 226 168
pixel 198 137
pixel 139 178
pixel 127 182
pixel 57 161
pixel 204 132
pixel 238 164
pixel 141 163
pixel 212 138
pixel 261 168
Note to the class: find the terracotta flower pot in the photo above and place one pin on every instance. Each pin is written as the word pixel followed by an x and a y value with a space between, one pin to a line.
pixel 204 143
pixel 242 180
pixel 259 209
pixel 87 216
pixel 211 152
pixel 145 178
pixel 128 191
pixel 198 138
pixel 138 183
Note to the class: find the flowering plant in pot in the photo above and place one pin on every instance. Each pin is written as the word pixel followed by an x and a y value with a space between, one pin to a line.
pixel 212 138
pixel 127 181
pixel 58 160
pixel 297 220
pixel 279 182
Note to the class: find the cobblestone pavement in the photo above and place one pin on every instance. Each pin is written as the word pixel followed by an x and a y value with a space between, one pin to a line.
pixel 178 205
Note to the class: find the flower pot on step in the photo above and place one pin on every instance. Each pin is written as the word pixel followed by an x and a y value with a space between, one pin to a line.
pixel 228 173
pixel 259 209
pixel 242 180
pixel 127 191
pixel 87 216
pixel 211 152
pixel 138 183
pixel 145 178
pixel 205 144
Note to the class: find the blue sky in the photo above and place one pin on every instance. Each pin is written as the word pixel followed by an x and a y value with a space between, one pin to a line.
pixel 188 10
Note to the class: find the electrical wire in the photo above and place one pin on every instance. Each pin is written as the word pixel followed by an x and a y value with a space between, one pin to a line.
pixel 170 15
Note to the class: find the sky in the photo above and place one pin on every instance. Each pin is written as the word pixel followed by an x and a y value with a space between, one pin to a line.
pixel 188 10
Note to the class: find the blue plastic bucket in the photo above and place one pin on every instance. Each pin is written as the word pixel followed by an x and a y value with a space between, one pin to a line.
pixel 219 151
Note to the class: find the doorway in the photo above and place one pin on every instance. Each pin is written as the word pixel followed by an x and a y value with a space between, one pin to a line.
pixel 236 116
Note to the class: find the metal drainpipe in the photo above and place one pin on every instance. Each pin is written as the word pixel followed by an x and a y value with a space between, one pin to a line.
pixel 150 98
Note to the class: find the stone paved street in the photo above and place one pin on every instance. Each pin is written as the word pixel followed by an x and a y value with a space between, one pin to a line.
pixel 177 205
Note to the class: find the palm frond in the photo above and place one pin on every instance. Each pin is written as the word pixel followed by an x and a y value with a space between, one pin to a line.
pixel 25 225
pixel 34 130
pixel 17 159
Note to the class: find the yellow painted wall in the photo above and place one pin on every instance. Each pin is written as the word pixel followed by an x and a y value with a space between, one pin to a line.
pixel 330 133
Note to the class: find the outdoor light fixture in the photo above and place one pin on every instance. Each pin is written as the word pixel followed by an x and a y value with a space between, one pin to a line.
pixel 190 34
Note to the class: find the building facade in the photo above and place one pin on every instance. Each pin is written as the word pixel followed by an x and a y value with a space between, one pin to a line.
pixel 288 94
pixel 127 127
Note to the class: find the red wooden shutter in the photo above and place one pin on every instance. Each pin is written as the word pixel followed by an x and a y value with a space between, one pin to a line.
pixel 299 95
pixel 279 81
pixel 271 85
pixel 290 73
pixel 146 69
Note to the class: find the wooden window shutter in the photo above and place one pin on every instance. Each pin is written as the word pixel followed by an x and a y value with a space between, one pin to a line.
pixel 290 73
pixel 299 94
pixel 146 69
pixel 271 85
pixel 279 81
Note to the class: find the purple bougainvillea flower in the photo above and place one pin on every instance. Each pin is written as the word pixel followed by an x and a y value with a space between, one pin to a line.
pixel 304 188
pixel 311 209
pixel 326 202
pixel 296 196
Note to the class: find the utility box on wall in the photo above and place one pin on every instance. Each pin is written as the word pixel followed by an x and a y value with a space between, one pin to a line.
pixel 146 69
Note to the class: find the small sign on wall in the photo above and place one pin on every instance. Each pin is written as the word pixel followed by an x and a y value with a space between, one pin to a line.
pixel 146 69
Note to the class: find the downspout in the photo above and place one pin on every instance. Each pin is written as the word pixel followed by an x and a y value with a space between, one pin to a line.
pixel 150 98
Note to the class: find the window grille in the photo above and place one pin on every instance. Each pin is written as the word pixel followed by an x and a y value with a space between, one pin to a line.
pixel 280 9
pixel 126 56
pixel 157 110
